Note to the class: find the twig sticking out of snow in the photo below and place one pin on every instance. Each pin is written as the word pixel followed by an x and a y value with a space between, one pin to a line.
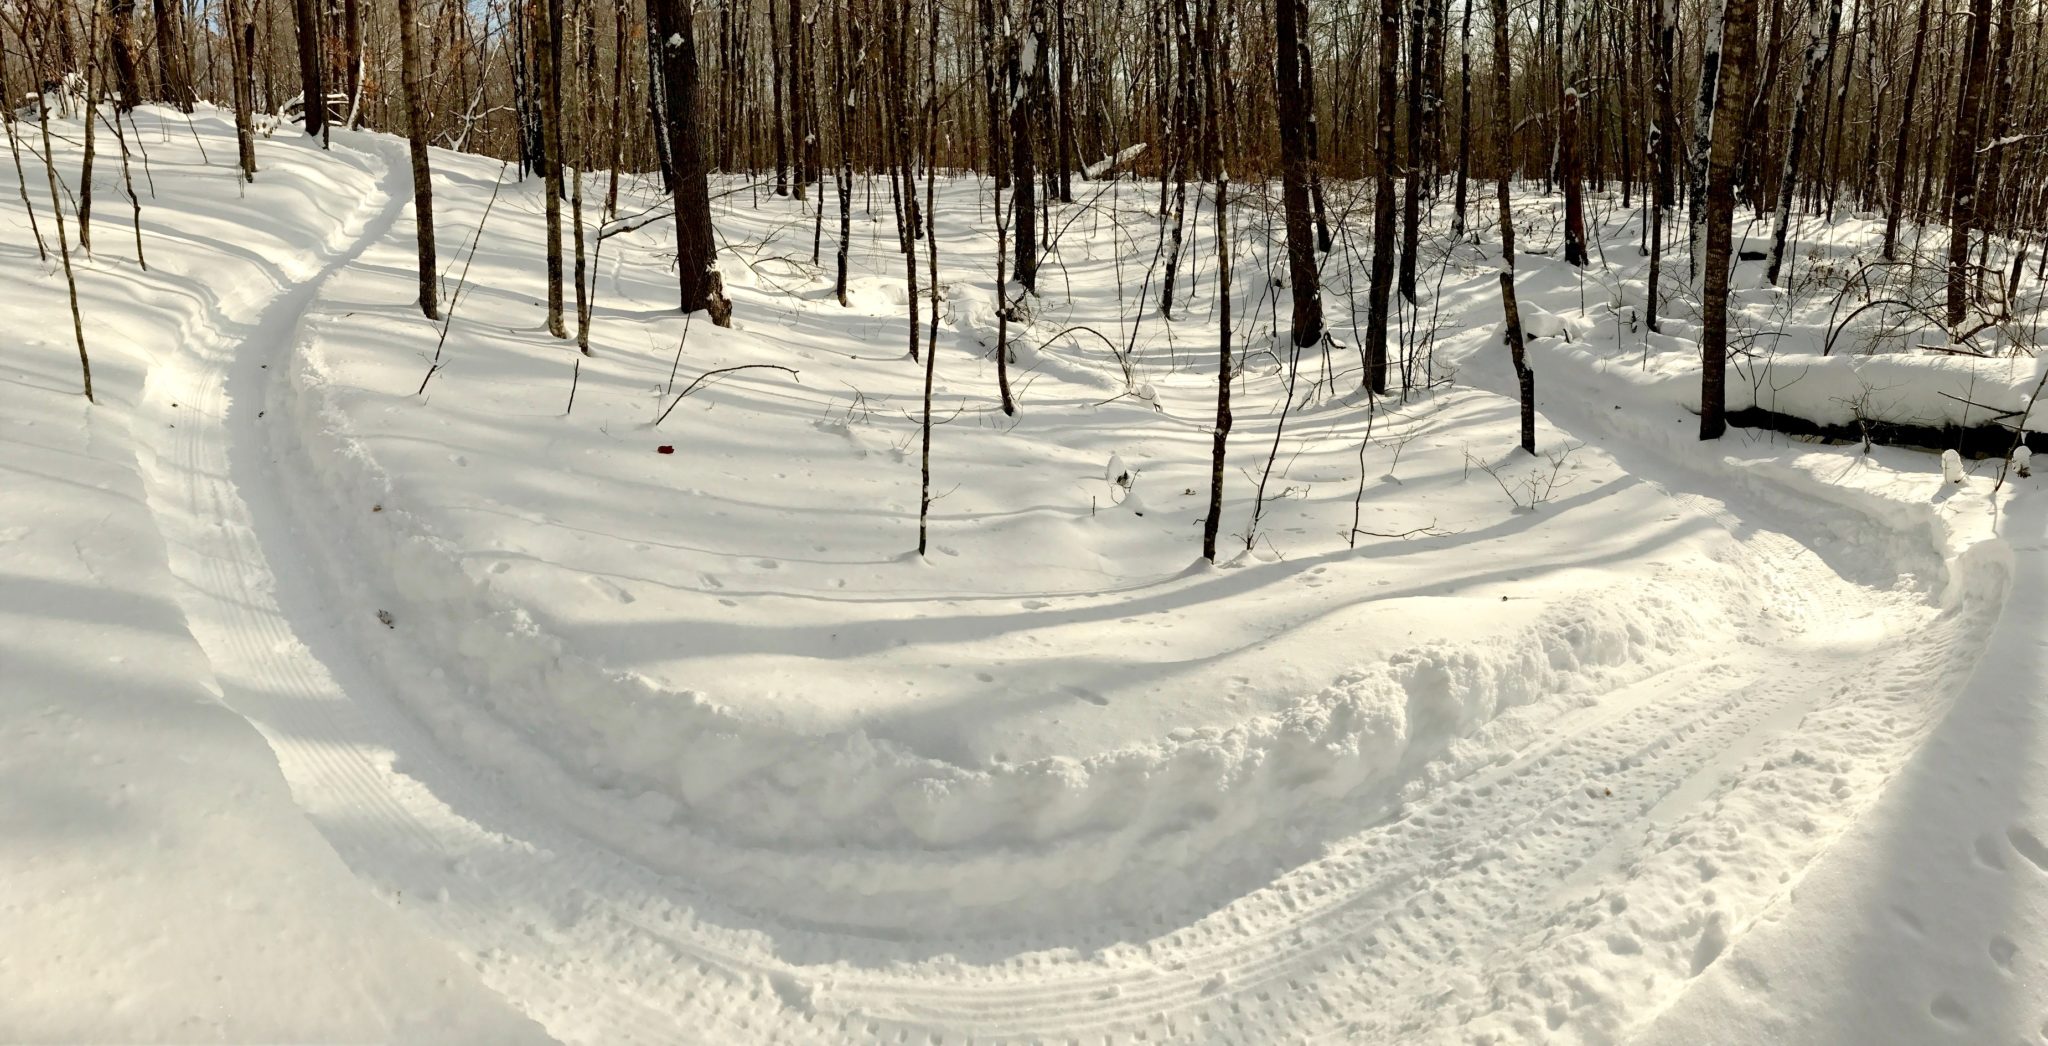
pixel 455 298
pixel 701 378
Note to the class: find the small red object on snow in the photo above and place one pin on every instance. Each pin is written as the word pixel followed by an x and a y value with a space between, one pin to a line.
pixel 665 449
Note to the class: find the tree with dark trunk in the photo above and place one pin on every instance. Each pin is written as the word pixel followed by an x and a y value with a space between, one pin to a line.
pixel 242 62
pixel 1962 161
pixel 1315 132
pixel 1570 169
pixel 50 73
pixel 1380 292
pixel 931 244
pixel 843 91
pixel 1411 197
pixel 995 83
pixel 351 58
pixel 1294 177
pixel 11 127
pixel 1504 141
pixel 1464 121
pixel 127 61
pixel 547 69
pixel 93 87
pixel 1998 112
pixel 896 93
pixel 1518 355
pixel 1895 201
pixel 416 139
pixel 1213 86
pixel 777 94
pixel 585 289
pixel 1024 64
pixel 1703 131
pixel 1813 62
pixel 1663 45
pixel 174 80
pixel 802 134
pixel 1504 131
pixel 1737 33
pixel 673 64
pixel 1063 152
pixel 315 110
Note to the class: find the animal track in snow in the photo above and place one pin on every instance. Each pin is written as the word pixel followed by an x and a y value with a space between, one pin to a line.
pixel 611 590
pixel 1948 1011
pixel 2003 951
pixel 2029 846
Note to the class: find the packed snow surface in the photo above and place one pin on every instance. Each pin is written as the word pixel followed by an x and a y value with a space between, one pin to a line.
pixel 557 732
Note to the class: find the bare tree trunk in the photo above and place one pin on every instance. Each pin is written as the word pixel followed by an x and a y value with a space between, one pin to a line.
pixel 1411 200
pixel 618 137
pixel 547 62
pixel 1896 203
pixel 128 183
pixel 525 105
pixel 803 132
pixel 1063 152
pixel 121 38
pixel 8 118
pixel 1570 169
pixel 1504 137
pixel 422 173
pixel 174 80
pixel 844 92
pixel 1664 31
pixel 1738 38
pixel 1464 121
pixel 1028 48
pixel 588 24
pixel 1375 378
pixel 1525 377
pixel 1314 136
pixel 1003 311
pixel 993 85
pixel 776 95
pixel 63 244
pixel 1294 178
pixel 1998 108
pixel 315 93
pixel 1866 179
pixel 674 62
pixel 1703 128
pixel 242 52
pixel 1174 204
pixel 1828 180
pixel 931 245
pixel 1219 444
pixel 897 52
pixel 93 87
pixel 1814 60
pixel 352 59
pixel 1962 163
pixel 1432 29
pixel 1504 133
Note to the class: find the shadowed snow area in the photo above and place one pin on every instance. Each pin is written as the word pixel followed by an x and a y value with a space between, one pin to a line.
pixel 659 746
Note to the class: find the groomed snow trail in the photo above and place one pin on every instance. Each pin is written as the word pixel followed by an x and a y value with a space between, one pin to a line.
pixel 1576 881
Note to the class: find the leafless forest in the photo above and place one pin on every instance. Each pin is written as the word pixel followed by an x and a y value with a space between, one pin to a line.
pixel 1354 116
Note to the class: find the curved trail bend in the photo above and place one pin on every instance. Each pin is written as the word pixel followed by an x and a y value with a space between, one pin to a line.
pixel 1575 884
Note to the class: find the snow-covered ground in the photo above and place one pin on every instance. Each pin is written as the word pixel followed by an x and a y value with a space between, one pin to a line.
pixel 568 734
